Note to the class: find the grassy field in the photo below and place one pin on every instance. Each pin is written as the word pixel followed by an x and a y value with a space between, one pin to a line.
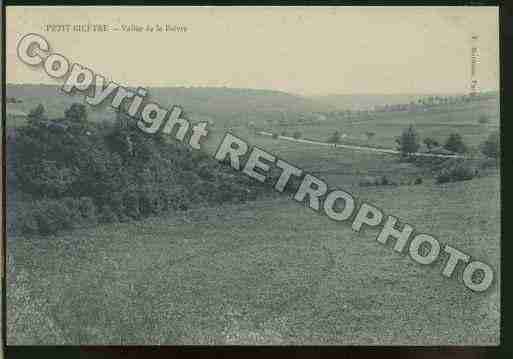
pixel 436 123
pixel 268 272
pixel 272 271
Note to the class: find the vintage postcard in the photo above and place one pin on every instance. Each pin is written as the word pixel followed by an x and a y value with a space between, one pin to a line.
pixel 252 175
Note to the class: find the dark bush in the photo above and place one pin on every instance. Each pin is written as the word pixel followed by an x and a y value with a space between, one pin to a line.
pixel 26 222
pixel 47 216
pixel 460 172
pixel 73 206
pixel 431 143
pixel 370 134
pixel 483 119
pixel 335 137
pixel 491 147
pixel 455 144
pixel 131 204
pixel 177 198
pixel 87 209
pixel 149 202
pixel 115 201
pixel 408 142
pixel 107 215
pixel 369 181
pixel 52 216
pixel 488 164
pixel 118 169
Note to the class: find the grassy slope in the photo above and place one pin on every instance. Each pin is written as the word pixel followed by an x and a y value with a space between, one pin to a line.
pixel 435 123
pixel 269 272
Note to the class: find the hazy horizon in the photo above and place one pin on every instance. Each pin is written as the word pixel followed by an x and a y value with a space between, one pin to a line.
pixel 305 51
pixel 58 84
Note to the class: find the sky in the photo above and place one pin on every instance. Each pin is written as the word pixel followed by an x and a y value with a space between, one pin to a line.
pixel 309 51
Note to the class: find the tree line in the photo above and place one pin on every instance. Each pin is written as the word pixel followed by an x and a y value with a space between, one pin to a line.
pixel 448 170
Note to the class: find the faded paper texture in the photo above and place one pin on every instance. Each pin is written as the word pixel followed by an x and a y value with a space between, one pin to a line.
pixel 331 175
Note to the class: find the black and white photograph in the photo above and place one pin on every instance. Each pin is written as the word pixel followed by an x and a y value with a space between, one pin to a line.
pixel 272 176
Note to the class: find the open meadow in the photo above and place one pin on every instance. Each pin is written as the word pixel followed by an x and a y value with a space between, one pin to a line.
pixel 267 272
pixel 271 271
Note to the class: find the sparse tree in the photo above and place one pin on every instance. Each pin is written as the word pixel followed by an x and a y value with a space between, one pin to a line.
pixel 491 147
pixel 370 135
pixel 335 137
pixel 408 142
pixel 455 143
pixel 431 143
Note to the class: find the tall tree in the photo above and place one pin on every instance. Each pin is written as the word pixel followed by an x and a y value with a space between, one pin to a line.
pixel 408 142
pixel 76 113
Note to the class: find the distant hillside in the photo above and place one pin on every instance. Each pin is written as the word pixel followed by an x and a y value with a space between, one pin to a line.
pixel 368 101
pixel 224 105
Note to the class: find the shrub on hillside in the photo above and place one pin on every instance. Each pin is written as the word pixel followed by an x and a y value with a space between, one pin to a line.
pixel 107 215
pixel 176 198
pixel 483 119
pixel 377 181
pixel 459 172
pixel 87 209
pixel 47 216
pixel 408 142
pixel 131 205
pixel 455 143
pixel 370 134
pixel 369 181
pixel 46 177
pixel 335 137
pixel 115 201
pixel 488 163
pixel 26 222
pixel 37 116
pixel 150 202
pixel 52 216
pixel 73 206
pixel 491 147
pixel 431 143
pixel 121 170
